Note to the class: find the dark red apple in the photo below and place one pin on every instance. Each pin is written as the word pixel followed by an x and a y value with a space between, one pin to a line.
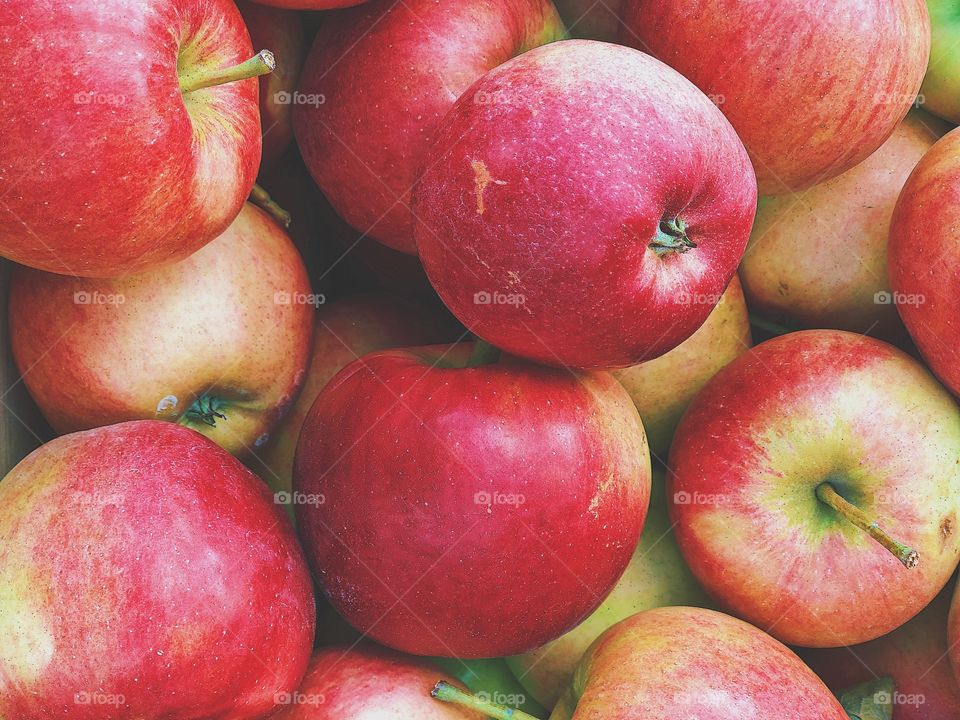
pixel 429 488
pixel 570 221
pixel 145 573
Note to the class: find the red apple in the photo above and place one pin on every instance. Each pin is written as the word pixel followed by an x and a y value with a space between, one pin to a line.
pixel 925 254
pixel 592 19
pixel 812 88
pixel 818 258
pixel 816 487
pixel 378 81
pixel 428 487
pixel 219 341
pixel 145 573
pixel 574 197
pixel 281 31
pixel 118 155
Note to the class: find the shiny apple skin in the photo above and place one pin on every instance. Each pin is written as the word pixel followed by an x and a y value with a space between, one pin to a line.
pixel 796 411
pixel 590 19
pixel 552 195
pixel 681 662
pixel 141 561
pixel 210 324
pixel 812 88
pixel 941 85
pixel 388 72
pixel 409 460
pixel 106 167
pixel 924 255
pixel 818 258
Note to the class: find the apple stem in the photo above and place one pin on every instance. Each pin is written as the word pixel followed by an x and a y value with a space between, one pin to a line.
pixel 906 555
pixel 672 237
pixel 449 693
pixel 206 409
pixel 483 354
pixel 260 64
pixel 261 198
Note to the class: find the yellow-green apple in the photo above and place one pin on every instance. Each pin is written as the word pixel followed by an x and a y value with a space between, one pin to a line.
pixel 134 151
pixel 812 88
pixel 914 655
pixel 381 77
pixel 657 576
pixel 366 681
pixel 567 221
pixel 924 253
pixel 218 342
pixel 940 91
pixel 281 31
pixel 592 19
pixel 145 573
pixel 818 258
pixel 815 487
pixel 431 475
pixel 662 388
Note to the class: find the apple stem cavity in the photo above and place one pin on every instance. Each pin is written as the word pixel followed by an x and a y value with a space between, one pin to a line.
pixel 483 354
pixel 449 693
pixel 261 198
pixel 906 555
pixel 672 237
pixel 260 64
pixel 206 409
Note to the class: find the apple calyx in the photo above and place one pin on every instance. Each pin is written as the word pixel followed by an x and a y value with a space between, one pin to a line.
pixel 446 692
pixel 483 354
pixel 206 409
pixel 850 512
pixel 261 198
pixel 260 64
pixel 671 237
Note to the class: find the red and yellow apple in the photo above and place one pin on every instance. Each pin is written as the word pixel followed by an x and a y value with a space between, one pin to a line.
pixel 940 91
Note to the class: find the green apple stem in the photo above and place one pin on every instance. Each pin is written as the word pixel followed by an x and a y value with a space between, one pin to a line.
pixel 261 198
pixel 206 409
pixel 449 693
pixel 260 64
pixel 826 494
pixel 483 354
pixel 671 237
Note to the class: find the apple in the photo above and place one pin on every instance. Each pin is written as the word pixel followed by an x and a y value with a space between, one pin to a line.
pixel 491 678
pixel 282 32
pixel 657 576
pixel 812 88
pixel 567 221
pixel 592 19
pixel 662 388
pixel 431 479
pixel 924 249
pixel 914 655
pixel 218 342
pixel 378 80
pixel 145 573
pixel 940 91
pixel 134 152
pixel 818 258
pixel 366 681
pixel 815 487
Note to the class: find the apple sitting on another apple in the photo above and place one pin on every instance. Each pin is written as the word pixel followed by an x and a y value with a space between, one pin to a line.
pixel 818 258
pixel 568 221
pixel 940 91
pixel 592 19
pixel 432 479
pixel 812 88
pixel 131 136
pixel 381 77
pixel 815 487
pixel 145 573
pixel 219 342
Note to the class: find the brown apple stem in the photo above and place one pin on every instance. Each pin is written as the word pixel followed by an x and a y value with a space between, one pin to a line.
pixel 260 64
pixel 826 494
pixel 449 693
pixel 671 237
pixel 261 198
pixel 483 354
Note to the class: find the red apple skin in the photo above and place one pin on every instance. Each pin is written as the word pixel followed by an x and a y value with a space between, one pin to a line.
pixel 210 326
pixel 765 432
pixel 388 72
pixel 924 255
pixel 592 20
pixel 914 656
pixel 408 459
pixel 812 88
pixel 106 167
pixel 568 234
pixel 281 32
pixel 367 681
pixel 681 662
pixel 142 561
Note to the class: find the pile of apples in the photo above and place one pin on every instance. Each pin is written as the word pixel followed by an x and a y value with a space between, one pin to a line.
pixel 396 360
